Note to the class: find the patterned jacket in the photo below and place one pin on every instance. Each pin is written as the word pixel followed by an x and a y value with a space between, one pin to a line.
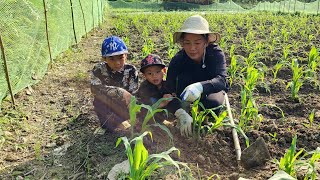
pixel 105 81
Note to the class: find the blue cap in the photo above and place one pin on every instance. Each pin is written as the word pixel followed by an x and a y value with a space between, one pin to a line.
pixel 113 46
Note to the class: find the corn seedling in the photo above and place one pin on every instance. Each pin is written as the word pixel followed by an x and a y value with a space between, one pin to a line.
pixel 296 81
pixel 276 69
pixel 251 79
pixel 311 119
pixel 37 150
pixel 135 108
pixel 218 120
pixel 233 70
pixel 311 163
pixel 126 40
pixel 286 52
pixel 312 65
pixel 148 47
pixel 249 111
pixel 142 165
pixel 288 162
pixel 215 177
pixel 198 117
pixel 274 137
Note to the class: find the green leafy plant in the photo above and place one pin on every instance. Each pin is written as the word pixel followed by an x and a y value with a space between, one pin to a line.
pixel 274 137
pixel 200 115
pixel 288 162
pixel 249 111
pixel 142 165
pixel 135 108
pixel 297 81
pixel 276 69
pixel 233 69
pixel 312 66
pixel 148 47
pixel 312 170
pixel 311 119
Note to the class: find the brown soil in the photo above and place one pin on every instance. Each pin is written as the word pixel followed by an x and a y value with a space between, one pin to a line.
pixel 59 114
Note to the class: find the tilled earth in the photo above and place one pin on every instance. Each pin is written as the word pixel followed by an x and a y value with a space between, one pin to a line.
pixel 54 134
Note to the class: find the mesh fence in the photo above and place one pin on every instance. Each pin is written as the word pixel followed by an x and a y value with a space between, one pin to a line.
pixel 290 6
pixel 227 6
pixel 23 33
pixel 287 6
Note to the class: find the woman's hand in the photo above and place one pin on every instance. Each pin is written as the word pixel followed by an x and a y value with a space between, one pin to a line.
pixel 192 92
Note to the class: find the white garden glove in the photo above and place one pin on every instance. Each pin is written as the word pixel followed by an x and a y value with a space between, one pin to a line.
pixel 185 121
pixel 192 92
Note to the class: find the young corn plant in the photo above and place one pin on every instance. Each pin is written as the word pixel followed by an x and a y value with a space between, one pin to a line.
pixel 142 165
pixel 311 119
pixel 233 70
pixel 276 69
pixel 148 47
pixel 286 52
pixel 251 79
pixel 249 115
pixel 135 108
pixel 311 163
pixel 198 117
pixel 312 66
pixel 297 81
pixel 289 161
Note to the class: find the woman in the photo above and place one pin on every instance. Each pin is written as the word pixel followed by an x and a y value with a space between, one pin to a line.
pixel 199 69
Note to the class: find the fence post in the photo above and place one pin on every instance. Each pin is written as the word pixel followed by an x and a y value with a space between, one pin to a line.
pixel 102 11
pixel 92 14
pixel 318 7
pixel 74 30
pixel 6 71
pixel 98 13
pixel 47 34
pixel 84 19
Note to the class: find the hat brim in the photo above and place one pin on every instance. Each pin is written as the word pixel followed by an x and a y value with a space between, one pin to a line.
pixel 116 53
pixel 212 36
pixel 144 67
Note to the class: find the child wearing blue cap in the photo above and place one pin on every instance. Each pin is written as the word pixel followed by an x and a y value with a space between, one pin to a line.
pixel 153 89
pixel 112 83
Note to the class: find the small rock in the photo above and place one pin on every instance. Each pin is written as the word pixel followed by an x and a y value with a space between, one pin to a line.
pixel 50 145
pixel 317 114
pixel 171 177
pixel 255 155
pixel 200 158
pixel 233 176
pixel 11 158
pixel 118 168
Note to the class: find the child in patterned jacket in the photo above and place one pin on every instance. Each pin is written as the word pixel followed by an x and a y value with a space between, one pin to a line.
pixel 112 84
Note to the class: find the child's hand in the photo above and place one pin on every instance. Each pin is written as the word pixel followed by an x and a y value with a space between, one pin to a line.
pixel 165 102
pixel 126 97
pixel 167 96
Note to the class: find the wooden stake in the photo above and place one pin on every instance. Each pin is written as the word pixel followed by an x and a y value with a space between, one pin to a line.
pixel 6 71
pixel 234 131
pixel 84 19
pixel 47 34
pixel 74 30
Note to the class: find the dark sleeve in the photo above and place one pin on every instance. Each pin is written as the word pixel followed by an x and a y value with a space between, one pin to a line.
pixel 172 74
pixel 143 94
pixel 216 62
